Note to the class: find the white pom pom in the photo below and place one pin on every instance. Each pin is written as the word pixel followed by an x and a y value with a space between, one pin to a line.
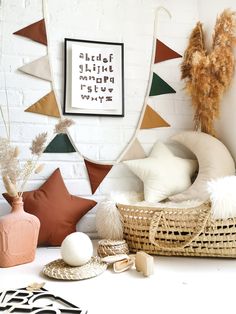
pixel 76 249
pixel 223 197
pixel 109 221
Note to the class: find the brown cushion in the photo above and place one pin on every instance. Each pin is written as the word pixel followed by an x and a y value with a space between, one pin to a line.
pixel 57 210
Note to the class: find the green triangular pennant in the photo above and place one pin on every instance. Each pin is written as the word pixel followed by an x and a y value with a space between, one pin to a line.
pixel 160 87
pixel 60 144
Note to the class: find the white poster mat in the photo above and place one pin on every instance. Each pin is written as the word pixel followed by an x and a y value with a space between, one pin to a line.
pixel 94 78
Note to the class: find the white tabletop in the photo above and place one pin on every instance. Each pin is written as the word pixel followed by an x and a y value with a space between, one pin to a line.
pixel 179 285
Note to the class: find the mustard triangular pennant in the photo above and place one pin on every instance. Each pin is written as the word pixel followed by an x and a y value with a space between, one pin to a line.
pixel 152 119
pixel 46 106
pixel 164 53
pixel 96 173
pixel 39 68
pixel 135 151
pixel 35 31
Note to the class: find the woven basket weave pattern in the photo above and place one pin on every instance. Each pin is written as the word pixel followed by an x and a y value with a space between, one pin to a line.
pixel 179 232
pixel 58 269
pixel 112 247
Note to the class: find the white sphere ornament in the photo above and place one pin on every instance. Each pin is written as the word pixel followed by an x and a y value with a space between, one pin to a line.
pixel 76 249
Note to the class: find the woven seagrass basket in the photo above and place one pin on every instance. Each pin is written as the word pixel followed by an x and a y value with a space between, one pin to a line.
pixel 178 231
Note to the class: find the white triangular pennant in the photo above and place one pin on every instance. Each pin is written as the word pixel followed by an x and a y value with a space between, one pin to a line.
pixel 135 151
pixel 39 68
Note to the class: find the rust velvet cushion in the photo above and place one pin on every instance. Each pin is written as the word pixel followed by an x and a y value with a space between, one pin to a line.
pixel 57 210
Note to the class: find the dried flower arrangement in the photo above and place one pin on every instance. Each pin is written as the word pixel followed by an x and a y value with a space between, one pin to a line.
pixel 15 175
pixel 208 75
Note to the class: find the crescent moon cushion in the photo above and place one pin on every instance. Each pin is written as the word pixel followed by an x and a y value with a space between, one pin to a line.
pixel 214 161
pixel 163 174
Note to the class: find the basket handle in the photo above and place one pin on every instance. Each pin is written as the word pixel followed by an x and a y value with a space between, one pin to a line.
pixel 202 219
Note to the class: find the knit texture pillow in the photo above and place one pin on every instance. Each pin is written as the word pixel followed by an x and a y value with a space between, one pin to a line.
pixel 162 173
pixel 214 159
pixel 57 210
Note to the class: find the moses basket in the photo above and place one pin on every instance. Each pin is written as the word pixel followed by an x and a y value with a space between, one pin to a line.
pixel 178 231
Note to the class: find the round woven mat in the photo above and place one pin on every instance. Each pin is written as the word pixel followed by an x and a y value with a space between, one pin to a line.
pixel 58 269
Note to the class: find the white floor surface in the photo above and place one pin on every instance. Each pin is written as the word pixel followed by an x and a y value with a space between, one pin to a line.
pixel 179 285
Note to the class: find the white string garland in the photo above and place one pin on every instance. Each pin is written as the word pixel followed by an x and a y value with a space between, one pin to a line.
pixel 128 146
pixel 145 102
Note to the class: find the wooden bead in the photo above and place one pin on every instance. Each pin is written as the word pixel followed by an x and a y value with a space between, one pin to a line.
pixel 144 263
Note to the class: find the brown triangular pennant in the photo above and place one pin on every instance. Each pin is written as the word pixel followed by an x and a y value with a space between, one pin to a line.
pixel 96 173
pixel 46 106
pixel 152 119
pixel 35 31
pixel 135 151
pixel 164 53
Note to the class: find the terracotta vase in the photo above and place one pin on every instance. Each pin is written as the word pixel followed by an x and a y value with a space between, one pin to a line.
pixel 18 236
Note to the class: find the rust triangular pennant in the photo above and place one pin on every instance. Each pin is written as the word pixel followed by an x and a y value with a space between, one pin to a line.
pixel 35 31
pixel 46 106
pixel 152 119
pixel 135 151
pixel 164 53
pixel 39 68
pixel 96 173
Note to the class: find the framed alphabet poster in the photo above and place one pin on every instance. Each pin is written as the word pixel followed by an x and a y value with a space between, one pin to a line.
pixel 94 78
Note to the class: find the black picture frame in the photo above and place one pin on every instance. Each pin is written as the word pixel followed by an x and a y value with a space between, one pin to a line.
pixel 93 78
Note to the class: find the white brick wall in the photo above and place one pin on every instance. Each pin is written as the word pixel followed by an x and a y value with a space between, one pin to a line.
pixel 129 21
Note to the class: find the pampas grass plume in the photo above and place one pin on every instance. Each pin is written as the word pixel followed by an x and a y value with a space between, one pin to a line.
pixel 16 152
pixel 208 74
pixel 63 125
pixel 38 144
pixel 9 186
pixel 39 168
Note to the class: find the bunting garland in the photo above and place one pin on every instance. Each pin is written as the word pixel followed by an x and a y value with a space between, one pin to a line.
pixel 48 105
pixel 39 68
pixel 96 173
pixel 60 144
pixel 164 53
pixel 135 151
pixel 160 87
pixel 152 119
pixel 35 31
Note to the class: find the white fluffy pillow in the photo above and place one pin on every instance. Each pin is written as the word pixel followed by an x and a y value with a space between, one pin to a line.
pixel 162 173
pixel 223 197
